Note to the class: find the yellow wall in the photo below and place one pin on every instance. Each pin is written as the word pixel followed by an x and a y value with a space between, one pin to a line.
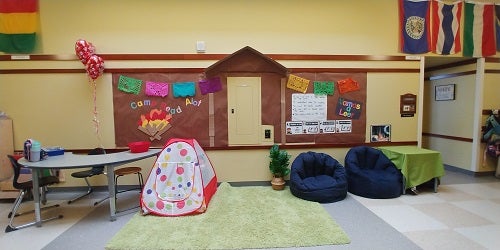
pixel 491 98
pixel 384 91
pixel 168 26
pixel 57 108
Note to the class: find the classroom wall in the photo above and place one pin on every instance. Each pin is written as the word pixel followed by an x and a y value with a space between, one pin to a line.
pixel 57 108
pixel 461 115
pixel 169 26
pixel 491 88
pixel 451 118
pixel 384 91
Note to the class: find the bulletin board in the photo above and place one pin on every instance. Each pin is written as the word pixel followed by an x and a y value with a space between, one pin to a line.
pixel 336 116
pixel 301 107
pixel 330 108
pixel 140 116
pixel 190 117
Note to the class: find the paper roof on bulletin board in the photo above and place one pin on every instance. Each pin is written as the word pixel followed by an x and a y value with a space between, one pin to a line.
pixel 248 60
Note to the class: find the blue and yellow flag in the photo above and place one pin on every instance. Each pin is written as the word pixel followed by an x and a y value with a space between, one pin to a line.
pixel 414 19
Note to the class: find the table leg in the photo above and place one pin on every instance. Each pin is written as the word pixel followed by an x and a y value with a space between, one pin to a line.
pixel 404 185
pixel 36 196
pixel 497 172
pixel 111 190
pixel 436 184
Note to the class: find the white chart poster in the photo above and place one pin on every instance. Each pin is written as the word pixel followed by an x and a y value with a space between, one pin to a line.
pixel 309 107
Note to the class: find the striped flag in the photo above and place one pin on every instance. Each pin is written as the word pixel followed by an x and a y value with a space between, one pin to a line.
pixel 497 25
pixel 479 33
pixel 446 27
pixel 414 18
pixel 18 25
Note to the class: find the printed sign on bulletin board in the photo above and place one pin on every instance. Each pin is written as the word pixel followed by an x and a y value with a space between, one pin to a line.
pixel 309 107
pixel 318 127
pixel 311 127
pixel 344 126
pixel 293 128
pixel 327 126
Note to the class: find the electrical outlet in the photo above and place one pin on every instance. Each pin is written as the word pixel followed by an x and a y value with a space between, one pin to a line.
pixel 200 46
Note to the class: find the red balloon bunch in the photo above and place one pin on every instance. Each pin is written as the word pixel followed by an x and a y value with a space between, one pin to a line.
pixel 84 50
pixel 95 66
pixel 93 63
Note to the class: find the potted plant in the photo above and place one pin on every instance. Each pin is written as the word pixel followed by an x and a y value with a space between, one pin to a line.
pixel 278 165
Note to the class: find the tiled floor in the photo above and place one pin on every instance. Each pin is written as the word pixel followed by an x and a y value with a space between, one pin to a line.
pixel 36 238
pixel 458 216
pixel 463 214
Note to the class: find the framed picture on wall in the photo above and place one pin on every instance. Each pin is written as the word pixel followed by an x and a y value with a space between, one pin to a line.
pixel 445 92
pixel 380 133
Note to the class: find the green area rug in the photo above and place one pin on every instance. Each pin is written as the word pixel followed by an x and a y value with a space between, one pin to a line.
pixel 236 218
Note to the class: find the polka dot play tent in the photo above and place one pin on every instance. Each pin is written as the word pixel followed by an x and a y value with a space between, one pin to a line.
pixel 181 182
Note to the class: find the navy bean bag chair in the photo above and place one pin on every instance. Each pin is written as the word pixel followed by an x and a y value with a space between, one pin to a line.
pixel 318 177
pixel 371 174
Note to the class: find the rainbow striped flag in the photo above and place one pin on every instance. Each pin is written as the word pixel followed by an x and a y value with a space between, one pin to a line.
pixel 18 25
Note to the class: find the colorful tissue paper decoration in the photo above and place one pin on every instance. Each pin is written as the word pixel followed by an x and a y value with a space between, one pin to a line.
pixel 156 89
pixel 347 85
pixel 129 84
pixel 184 89
pixel 297 83
pixel 211 85
pixel 323 88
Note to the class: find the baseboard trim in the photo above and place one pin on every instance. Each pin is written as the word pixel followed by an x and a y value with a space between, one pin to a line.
pixel 468 172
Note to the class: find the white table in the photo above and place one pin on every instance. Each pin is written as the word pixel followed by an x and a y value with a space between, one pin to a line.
pixel 70 160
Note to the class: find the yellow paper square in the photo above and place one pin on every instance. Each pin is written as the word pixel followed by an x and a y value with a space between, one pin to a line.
pixel 297 83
